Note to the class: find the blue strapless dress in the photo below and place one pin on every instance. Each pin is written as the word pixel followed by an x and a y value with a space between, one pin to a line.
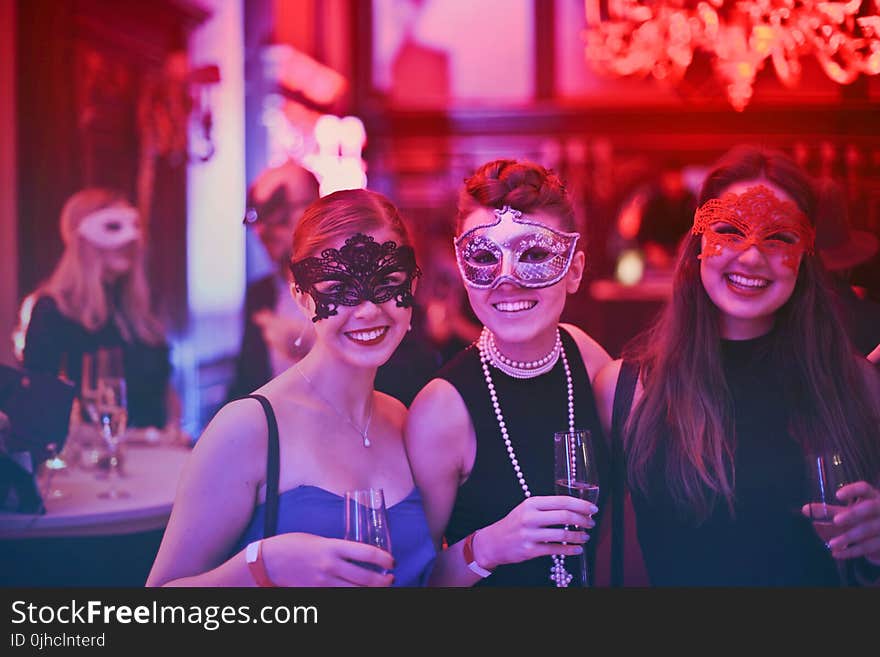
pixel 314 510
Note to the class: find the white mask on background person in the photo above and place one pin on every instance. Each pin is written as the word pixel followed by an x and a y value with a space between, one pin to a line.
pixel 110 228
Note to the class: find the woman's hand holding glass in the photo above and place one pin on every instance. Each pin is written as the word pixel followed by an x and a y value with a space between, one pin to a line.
pixel 298 559
pixel 845 514
pixel 856 523
pixel 535 528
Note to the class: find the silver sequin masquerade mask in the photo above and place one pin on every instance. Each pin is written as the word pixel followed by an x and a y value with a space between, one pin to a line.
pixel 361 270
pixel 513 249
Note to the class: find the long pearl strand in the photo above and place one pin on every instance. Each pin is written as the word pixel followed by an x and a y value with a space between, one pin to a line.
pixel 558 574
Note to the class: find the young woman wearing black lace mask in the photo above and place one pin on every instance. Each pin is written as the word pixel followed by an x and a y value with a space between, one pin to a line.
pixel 354 271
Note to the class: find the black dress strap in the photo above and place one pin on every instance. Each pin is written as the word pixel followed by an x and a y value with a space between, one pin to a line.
pixel 623 398
pixel 273 467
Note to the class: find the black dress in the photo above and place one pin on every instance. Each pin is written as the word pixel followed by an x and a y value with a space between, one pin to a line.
pixel 54 340
pixel 533 410
pixel 767 542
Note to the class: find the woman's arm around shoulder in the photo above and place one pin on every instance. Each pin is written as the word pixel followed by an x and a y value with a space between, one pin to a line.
pixel 593 354
pixel 437 435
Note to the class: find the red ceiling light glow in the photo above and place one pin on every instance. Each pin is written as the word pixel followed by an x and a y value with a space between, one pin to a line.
pixel 625 37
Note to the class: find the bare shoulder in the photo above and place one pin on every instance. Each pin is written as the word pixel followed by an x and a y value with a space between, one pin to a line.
pixel 437 417
pixel 604 386
pixel 392 409
pixel 440 443
pixel 606 378
pixel 594 355
pixel 236 435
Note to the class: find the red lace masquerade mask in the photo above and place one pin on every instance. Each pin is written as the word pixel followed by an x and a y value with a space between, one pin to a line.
pixel 756 217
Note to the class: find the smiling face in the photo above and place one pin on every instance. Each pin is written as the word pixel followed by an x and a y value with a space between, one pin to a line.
pixel 753 240
pixel 513 255
pixel 362 308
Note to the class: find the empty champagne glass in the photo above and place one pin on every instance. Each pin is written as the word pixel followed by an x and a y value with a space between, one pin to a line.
pixel 366 521
pixel 576 475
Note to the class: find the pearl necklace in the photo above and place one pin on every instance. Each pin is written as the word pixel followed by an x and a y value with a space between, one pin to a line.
pixel 522 369
pixel 558 574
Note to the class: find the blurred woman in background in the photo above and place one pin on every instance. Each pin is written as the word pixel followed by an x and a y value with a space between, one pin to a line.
pixel 98 297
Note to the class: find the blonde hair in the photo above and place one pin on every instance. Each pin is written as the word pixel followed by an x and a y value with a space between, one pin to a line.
pixel 76 283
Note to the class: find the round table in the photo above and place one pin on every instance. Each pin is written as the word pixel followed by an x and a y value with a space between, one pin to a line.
pixel 151 476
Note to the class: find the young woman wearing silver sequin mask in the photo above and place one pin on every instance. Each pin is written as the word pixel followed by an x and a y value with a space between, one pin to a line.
pixel 480 435
pixel 353 273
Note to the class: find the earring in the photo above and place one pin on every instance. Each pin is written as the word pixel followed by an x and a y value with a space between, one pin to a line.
pixel 409 328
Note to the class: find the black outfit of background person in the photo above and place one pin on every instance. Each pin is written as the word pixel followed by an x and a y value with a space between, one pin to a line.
pixel 54 340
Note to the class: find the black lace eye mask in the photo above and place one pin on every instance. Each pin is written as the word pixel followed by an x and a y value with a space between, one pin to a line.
pixel 361 270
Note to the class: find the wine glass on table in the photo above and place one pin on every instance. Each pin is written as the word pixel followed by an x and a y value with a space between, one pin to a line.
pixel 87 432
pixel 106 403
pixel 53 465
pixel 576 475
pixel 366 521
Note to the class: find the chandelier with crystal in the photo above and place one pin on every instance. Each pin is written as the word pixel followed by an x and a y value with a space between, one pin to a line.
pixel 660 37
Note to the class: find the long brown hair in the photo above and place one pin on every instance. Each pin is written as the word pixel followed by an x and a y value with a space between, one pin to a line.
pixel 686 409
pixel 76 284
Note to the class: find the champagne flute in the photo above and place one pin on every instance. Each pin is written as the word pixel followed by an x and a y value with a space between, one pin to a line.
pixel 88 434
pixel 576 475
pixel 108 408
pixel 366 521
pixel 826 474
